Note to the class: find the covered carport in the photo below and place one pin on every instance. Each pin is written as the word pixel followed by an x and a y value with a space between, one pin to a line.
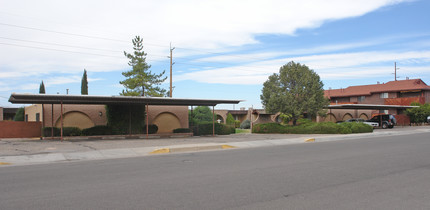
pixel 44 99
pixel 356 107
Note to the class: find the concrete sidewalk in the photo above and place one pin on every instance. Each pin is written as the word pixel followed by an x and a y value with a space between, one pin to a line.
pixel 34 151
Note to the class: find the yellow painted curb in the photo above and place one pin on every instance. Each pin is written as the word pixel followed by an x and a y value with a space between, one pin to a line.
pixel 225 146
pixel 3 163
pixel 160 151
pixel 310 140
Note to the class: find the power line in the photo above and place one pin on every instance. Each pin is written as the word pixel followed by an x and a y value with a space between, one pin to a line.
pixel 42 48
pixel 61 45
pixel 73 34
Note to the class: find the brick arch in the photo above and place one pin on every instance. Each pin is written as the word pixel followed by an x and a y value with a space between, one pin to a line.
pixel 166 122
pixel 75 119
pixel 220 118
pixel 364 116
pixel 347 116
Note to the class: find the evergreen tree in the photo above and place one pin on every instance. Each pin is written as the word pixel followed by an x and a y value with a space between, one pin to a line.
pixel 84 84
pixel 294 91
pixel 201 114
pixel 19 115
pixel 230 119
pixel 42 88
pixel 140 80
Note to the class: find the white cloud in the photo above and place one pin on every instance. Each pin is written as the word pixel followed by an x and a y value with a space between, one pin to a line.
pixel 328 66
pixel 189 23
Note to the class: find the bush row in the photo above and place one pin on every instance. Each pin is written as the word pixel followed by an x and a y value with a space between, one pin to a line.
pixel 313 128
pixel 207 129
pixel 93 131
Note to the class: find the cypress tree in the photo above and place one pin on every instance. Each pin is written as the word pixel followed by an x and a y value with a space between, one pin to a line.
pixel 42 88
pixel 84 84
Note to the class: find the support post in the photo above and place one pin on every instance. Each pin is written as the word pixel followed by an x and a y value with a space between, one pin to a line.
pixel 147 121
pixel 213 120
pixel 52 120
pixel 61 120
pixel 129 120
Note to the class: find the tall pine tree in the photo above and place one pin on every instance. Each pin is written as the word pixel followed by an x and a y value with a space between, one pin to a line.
pixel 42 88
pixel 84 84
pixel 140 80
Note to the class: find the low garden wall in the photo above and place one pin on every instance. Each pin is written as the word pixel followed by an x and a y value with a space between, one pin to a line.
pixel 13 129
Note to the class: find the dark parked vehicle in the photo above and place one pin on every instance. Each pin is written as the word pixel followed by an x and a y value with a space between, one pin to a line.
pixel 384 120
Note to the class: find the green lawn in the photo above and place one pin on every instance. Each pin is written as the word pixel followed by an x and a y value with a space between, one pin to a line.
pixel 238 130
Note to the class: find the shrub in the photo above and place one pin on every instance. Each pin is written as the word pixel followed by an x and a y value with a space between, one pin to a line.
pixel 47 131
pixel 182 130
pixel 67 131
pixel 71 131
pixel 246 124
pixel 268 128
pixel 230 119
pixel 97 130
pixel 152 128
pixel 19 115
pixel 361 128
pixel 236 123
pixel 206 129
pixel 313 128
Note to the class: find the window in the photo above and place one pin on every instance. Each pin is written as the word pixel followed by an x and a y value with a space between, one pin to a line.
pixel 26 118
pixel 37 117
pixel 383 95
pixel 361 98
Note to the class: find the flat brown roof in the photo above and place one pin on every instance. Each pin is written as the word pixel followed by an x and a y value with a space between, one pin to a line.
pixel 17 98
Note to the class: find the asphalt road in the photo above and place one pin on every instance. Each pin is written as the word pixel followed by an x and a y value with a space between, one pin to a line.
pixel 381 173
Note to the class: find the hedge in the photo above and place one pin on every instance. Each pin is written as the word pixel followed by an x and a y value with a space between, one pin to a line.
pixel 313 128
pixel 47 131
pixel 107 130
pixel 182 130
pixel 97 130
pixel 207 129
pixel 67 131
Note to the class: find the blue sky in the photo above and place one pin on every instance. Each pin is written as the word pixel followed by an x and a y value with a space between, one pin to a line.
pixel 223 49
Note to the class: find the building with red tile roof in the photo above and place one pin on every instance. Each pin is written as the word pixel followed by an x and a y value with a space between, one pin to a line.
pixel 400 92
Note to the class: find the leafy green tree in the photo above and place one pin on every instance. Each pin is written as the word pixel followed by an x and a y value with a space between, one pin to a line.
pixel 42 88
pixel 418 114
pixel 201 114
pixel 230 119
pixel 19 116
pixel 294 91
pixel 84 84
pixel 140 80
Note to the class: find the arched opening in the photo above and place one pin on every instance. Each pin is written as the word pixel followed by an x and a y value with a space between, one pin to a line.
pixel 364 116
pixel 166 122
pixel 75 119
pixel 219 117
pixel 330 118
pixel 347 116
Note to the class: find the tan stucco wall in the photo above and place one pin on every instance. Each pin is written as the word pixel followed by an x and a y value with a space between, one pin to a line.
pixel 31 112
pixel 70 114
pixel 75 119
pixel 1 113
pixel 161 116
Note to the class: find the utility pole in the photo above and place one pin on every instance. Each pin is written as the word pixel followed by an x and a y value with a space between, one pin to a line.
pixel 395 71
pixel 171 64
